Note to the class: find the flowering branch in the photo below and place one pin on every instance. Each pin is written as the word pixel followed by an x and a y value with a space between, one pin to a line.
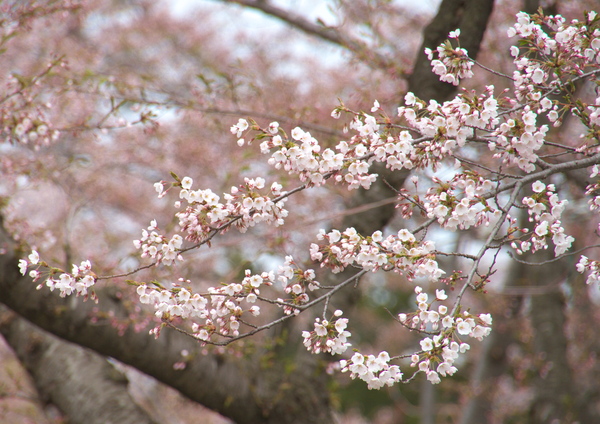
pixel 423 138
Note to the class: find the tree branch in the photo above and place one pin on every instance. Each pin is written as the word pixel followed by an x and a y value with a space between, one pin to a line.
pixel 332 35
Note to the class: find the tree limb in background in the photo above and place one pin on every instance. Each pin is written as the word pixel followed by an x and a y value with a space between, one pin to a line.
pixel 238 388
pixel 81 383
pixel 333 35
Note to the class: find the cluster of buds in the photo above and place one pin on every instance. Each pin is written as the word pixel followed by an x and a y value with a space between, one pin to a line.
pixel 28 129
pixel 23 118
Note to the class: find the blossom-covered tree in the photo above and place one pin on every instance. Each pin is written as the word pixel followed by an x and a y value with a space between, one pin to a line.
pixel 248 253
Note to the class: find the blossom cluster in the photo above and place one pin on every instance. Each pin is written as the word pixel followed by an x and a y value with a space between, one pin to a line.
pixel 453 63
pixel 438 357
pixel 426 317
pixel 244 207
pixel 328 336
pixel 218 311
pixel 443 127
pixel 439 352
pixel 460 202
pixel 158 247
pixel 400 252
pixel 591 266
pixel 518 140
pixel 538 74
pixel 30 129
pixel 297 283
pixel 23 117
pixel 593 190
pixel 545 210
pixel 205 215
pixel 574 41
pixel 376 371
pixel 78 281
pixel 303 156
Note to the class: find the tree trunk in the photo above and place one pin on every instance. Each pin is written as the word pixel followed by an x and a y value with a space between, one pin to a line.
pixel 471 16
pixel 492 361
pixel 552 383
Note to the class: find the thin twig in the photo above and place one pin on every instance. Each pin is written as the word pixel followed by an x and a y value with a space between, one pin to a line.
pixel 549 261
pixel 271 324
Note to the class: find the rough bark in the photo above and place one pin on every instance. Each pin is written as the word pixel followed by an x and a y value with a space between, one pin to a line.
pixel 493 361
pixel 20 402
pixel 81 383
pixel 238 388
pixel 553 384
pixel 584 311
